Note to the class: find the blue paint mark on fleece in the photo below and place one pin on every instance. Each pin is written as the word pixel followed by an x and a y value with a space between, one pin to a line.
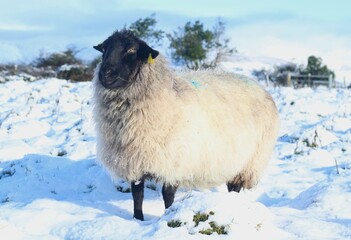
pixel 196 84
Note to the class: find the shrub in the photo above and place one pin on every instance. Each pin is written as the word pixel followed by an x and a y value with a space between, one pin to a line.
pixel 174 223
pixel 315 67
pixel 145 29
pixel 94 63
pixel 279 74
pixel 214 228
pixel 77 73
pixel 64 65
pixel 200 217
pixel 57 59
pixel 197 47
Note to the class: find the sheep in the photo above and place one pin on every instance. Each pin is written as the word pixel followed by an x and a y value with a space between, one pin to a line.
pixel 194 129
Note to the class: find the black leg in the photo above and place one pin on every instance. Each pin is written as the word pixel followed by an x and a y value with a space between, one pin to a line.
pixel 138 197
pixel 237 184
pixel 234 187
pixel 168 192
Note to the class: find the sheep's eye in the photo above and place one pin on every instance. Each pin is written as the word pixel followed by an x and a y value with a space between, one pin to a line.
pixel 132 50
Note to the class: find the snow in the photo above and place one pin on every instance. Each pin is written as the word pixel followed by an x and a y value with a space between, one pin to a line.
pixel 52 188
pixel 242 63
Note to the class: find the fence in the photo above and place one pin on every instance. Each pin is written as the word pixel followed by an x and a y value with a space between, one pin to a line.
pixel 298 81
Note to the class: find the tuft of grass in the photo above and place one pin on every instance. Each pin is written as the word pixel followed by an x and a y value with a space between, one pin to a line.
pixel 258 226
pixel 220 230
pixel 200 217
pixel 298 152
pixel 62 153
pixel 308 144
pixel 207 231
pixel 174 223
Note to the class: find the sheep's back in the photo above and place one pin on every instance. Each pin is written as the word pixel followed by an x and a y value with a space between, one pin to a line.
pixel 224 120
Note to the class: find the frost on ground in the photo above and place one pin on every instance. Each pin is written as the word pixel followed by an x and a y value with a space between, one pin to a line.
pixel 51 187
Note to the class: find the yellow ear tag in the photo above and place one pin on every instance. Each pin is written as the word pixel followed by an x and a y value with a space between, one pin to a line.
pixel 150 60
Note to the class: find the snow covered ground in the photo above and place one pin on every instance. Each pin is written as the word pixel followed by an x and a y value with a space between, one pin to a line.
pixel 51 187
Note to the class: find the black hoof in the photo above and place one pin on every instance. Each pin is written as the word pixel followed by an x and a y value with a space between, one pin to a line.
pixel 234 187
pixel 139 215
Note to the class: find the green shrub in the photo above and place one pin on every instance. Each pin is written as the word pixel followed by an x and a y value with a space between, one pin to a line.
pixel 214 228
pixel 174 224
pixel 76 73
pixel 200 217
pixel 57 59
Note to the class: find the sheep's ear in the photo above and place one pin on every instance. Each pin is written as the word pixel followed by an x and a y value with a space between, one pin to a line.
pixel 145 51
pixel 99 47
pixel 154 53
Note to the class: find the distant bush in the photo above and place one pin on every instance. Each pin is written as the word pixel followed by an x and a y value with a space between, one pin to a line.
pixel 57 59
pixel 77 73
pixel 315 67
pixel 10 72
pixel 279 74
pixel 195 47
pixel 94 63
pixel 63 65
pixel 145 28
pixel 261 74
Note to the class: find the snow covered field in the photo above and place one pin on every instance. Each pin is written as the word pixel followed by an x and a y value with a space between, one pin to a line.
pixel 51 187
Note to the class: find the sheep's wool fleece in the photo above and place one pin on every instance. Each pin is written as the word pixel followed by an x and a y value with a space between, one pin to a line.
pixel 194 129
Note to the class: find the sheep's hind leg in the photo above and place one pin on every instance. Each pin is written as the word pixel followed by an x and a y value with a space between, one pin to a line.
pixel 234 187
pixel 138 197
pixel 168 193
pixel 237 184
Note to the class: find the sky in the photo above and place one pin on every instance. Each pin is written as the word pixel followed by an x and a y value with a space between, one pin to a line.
pixel 289 30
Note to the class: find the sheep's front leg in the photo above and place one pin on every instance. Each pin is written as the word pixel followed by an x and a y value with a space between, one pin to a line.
pixel 138 197
pixel 168 193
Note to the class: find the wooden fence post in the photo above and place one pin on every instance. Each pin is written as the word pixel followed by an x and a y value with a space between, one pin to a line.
pixel 330 81
pixel 266 78
pixel 288 79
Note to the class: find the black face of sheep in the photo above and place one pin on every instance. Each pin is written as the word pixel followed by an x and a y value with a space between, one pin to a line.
pixel 122 57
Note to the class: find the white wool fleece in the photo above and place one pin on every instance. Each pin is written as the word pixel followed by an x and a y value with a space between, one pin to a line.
pixel 196 129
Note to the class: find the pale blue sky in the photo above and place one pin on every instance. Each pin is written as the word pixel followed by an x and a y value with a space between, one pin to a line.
pixel 285 29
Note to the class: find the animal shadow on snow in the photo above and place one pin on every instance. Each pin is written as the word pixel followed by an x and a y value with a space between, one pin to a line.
pixel 82 182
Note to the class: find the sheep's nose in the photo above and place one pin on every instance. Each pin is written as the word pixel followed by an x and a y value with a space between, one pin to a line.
pixel 107 69
pixel 108 72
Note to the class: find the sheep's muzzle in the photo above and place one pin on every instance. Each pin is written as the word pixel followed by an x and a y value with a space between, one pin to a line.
pixel 110 80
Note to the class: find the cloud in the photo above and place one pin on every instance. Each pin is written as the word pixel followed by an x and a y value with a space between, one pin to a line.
pixel 23 27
